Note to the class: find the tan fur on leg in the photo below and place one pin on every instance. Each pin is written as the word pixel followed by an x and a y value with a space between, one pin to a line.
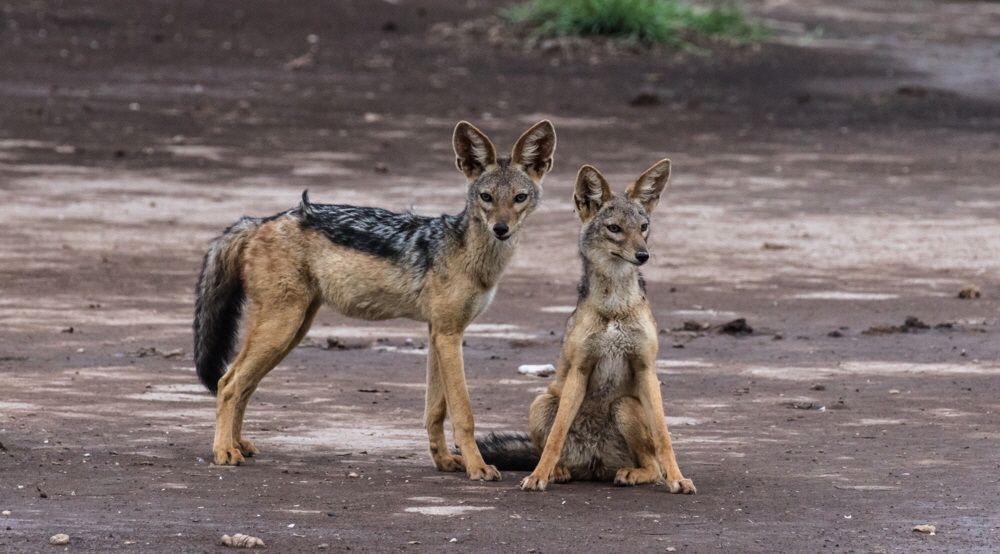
pixel 631 423
pixel 648 387
pixel 435 412
pixel 268 341
pixel 448 353
pixel 569 404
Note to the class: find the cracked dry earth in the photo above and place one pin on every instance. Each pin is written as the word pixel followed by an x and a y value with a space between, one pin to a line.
pixel 828 185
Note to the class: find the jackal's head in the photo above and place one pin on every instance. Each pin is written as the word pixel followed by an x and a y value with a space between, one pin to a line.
pixel 503 190
pixel 616 226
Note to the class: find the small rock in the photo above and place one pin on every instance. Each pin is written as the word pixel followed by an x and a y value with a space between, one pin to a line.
pixel 928 529
pixel 912 90
pixel 61 538
pixel 736 327
pixel 323 546
pixel 914 323
pixel 893 391
pixel 5 513
pixel 775 246
pixel 241 541
pixel 835 334
pixel 969 292
pixel 645 99
pixel 694 326
pixel 353 475
pixel 542 370
pixel 453 540
pixel 817 386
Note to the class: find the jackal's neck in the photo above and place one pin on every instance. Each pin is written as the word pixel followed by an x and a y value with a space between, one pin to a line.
pixel 482 257
pixel 613 288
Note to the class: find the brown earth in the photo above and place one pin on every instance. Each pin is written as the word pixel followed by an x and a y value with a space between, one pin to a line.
pixel 840 178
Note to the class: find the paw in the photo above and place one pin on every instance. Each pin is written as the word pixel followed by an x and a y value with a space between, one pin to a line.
pixel 247 448
pixel 230 456
pixel 486 473
pixel 631 476
pixel 449 462
pixel 684 486
pixel 532 483
pixel 560 474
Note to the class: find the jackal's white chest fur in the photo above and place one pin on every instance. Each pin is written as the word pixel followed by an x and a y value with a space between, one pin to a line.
pixel 482 301
pixel 613 348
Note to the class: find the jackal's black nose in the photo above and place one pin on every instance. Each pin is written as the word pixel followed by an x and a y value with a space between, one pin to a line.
pixel 500 229
pixel 642 257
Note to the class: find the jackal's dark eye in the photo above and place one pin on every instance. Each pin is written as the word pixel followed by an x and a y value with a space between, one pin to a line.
pixel 520 198
pixel 644 227
pixel 487 197
pixel 614 228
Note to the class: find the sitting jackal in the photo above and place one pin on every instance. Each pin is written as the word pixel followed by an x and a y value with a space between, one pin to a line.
pixel 371 264
pixel 602 417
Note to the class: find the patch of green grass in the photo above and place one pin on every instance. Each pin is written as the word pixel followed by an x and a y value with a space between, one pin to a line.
pixel 645 21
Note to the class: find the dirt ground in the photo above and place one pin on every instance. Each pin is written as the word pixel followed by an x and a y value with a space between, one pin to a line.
pixel 838 179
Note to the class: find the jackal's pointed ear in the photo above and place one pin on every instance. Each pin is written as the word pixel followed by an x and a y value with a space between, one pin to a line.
pixel 647 188
pixel 592 192
pixel 533 151
pixel 473 150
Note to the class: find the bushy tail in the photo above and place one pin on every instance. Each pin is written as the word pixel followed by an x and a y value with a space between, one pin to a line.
pixel 509 451
pixel 219 301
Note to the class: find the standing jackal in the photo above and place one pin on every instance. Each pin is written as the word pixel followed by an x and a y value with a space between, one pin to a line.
pixel 371 264
pixel 602 418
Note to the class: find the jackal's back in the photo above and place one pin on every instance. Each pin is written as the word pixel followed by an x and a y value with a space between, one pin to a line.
pixel 404 239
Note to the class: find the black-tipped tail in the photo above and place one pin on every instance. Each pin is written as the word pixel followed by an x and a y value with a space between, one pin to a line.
pixel 218 304
pixel 509 451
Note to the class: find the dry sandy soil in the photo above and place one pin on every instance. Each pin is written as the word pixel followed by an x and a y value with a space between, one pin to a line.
pixel 840 177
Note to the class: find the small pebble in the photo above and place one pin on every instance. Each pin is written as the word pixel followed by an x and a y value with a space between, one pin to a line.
pixel 240 540
pixel 541 370
pixel 59 539
pixel 926 529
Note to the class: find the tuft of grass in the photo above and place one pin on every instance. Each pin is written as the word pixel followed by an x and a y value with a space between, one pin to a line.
pixel 649 22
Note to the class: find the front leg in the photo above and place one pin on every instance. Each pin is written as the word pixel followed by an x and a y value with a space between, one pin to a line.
pixel 435 411
pixel 570 400
pixel 451 373
pixel 652 403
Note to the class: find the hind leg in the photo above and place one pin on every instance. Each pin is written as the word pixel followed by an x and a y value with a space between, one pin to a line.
pixel 629 419
pixel 246 447
pixel 273 330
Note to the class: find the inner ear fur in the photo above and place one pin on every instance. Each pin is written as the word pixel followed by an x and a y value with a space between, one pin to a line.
pixel 473 150
pixel 647 188
pixel 533 151
pixel 592 192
